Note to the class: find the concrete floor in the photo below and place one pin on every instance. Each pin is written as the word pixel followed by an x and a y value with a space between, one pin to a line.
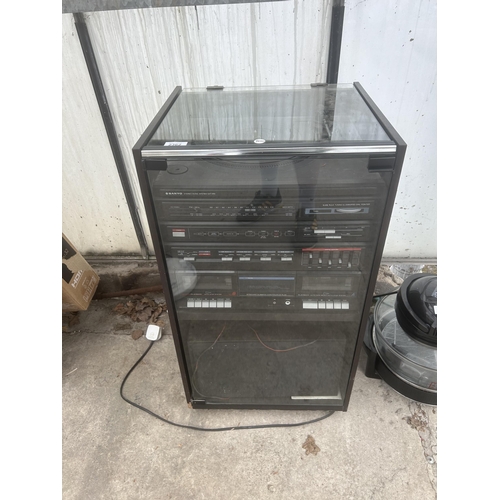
pixel 383 447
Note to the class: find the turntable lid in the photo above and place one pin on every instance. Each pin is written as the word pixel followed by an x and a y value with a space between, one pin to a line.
pixel 320 115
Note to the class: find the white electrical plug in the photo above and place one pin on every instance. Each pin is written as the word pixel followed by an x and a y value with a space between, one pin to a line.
pixel 153 332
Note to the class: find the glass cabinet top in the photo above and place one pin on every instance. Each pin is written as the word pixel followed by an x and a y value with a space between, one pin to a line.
pixel 315 116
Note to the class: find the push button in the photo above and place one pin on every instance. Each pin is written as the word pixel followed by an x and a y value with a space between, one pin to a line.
pixel 309 304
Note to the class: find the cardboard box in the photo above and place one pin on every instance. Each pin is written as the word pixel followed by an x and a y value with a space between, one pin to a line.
pixel 79 280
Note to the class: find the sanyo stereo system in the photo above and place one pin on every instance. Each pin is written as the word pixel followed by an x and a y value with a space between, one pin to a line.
pixel 268 209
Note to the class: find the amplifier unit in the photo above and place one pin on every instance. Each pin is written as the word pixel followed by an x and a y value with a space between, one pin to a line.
pixel 228 233
pixel 327 258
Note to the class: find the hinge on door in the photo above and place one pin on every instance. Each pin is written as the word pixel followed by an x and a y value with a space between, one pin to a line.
pixel 381 163
pixel 155 165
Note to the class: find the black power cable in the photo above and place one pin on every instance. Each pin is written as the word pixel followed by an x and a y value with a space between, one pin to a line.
pixel 208 429
pixel 386 294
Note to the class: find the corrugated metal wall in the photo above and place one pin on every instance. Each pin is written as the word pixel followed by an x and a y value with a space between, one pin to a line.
pixel 95 214
pixel 143 54
pixel 390 47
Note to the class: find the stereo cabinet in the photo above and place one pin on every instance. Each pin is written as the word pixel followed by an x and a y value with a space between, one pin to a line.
pixel 268 209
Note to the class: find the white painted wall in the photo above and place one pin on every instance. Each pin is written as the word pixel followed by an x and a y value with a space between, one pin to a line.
pixel 143 54
pixel 390 48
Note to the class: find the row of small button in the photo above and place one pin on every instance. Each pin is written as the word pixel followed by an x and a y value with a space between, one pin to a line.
pixel 275 233
pixel 246 259
pixel 212 303
pixel 325 304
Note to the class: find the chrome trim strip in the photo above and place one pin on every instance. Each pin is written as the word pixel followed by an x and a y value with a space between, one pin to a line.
pixel 160 153
pixel 338 396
